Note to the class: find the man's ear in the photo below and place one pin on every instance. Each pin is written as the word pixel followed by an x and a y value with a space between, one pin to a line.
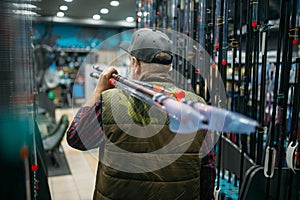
pixel 137 65
pixel 133 61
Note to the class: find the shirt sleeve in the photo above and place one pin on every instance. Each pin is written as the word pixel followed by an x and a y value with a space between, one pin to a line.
pixel 85 131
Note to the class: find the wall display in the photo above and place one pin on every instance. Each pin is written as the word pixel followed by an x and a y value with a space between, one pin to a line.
pixel 254 46
pixel 72 46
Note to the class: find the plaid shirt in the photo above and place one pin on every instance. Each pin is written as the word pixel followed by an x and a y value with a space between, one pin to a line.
pixel 83 135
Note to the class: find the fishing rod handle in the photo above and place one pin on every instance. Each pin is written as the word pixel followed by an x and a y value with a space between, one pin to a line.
pixel 180 94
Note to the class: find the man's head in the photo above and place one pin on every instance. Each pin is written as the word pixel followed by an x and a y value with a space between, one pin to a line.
pixel 150 50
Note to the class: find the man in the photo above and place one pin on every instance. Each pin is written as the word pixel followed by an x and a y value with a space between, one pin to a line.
pixel 140 158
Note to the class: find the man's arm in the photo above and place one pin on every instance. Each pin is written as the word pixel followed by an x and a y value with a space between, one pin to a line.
pixel 85 131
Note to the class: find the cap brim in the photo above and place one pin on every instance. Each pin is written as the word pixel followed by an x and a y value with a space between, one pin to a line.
pixel 125 46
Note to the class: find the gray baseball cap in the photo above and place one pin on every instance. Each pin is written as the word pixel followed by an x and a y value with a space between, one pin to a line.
pixel 147 43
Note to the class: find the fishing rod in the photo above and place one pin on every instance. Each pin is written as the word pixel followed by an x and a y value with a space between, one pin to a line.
pixel 186 46
pixel 200 36
pixel 262 99
pixel 270 153
pixel 219 22
pixel 225 46
pixel 241 91
pixel 219 46
pixel 234 44
pixel 293 40
pixel 170 13
pixel 179 43
pixel 295 119
pixel 277 102
pixel 284 87
pixel 212 118
pixel 160 14
pixel 151 11
pixel 174 26
pixel 223 120
pixel 195 70
pixel 240 39
pixel 191 50
pixel 166 13
pixel 248 104
pixel 178 94
pixel 185 9
pixel 183 119
pixel 224 62
pixel 296 135
pixel 254 81
pixel 211 8
pixel 212 49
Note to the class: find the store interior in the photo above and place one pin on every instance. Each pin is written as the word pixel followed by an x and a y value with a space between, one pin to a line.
pixel 239 56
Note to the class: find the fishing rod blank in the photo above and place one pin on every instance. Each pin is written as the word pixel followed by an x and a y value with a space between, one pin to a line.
pixel 241 92
pixel 286 61
pixel 224 120
pixel 212 117
pixel 277 102
pixel 183 119
pixel 178 93
pixel 295 120
pixel 262 99
pixel 284 82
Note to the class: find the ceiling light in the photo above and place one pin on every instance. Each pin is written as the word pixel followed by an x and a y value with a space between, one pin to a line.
pixel 68 0
pixel 130 19
pixel 104 11
pixel 24 12
pixel 24 5
pixel 114 3
pixel 96 17
pixel 64 8
pixel 60 14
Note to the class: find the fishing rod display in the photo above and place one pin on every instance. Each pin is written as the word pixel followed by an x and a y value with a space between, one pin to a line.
pixel 253 47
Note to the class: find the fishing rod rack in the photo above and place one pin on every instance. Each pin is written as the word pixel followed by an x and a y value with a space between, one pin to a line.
pixel 255 50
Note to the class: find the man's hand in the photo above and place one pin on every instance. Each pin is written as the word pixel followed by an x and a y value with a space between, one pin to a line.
pixel 102 85
pixel 103 81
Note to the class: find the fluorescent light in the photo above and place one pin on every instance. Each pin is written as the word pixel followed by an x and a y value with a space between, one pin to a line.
pixel 24 12
pixel 68 0
pixel 96 17
pixel 104 11
pixel 114 3
pixel 130 19
pixel 24 5
pixel 60 14
pixel 63 7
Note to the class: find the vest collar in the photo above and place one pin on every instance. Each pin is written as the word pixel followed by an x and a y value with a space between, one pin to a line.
pixel 157 77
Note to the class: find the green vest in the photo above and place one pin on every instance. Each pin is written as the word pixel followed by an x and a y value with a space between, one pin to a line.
pixel 142 158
